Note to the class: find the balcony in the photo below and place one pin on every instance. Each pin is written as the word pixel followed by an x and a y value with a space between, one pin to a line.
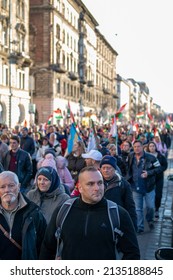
pixel 82 80
pixel 106 90
pixel 115 96
pixel 73 76
pixel 90 83
pixel 59 68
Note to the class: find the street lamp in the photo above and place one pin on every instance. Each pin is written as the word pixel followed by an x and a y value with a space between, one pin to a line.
pixel 32 107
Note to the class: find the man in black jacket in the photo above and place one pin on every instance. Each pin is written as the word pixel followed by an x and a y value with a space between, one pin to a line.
pixel 142 171
pixel 117 188
pixel 86 232
pixel 22 224
pixel 19 162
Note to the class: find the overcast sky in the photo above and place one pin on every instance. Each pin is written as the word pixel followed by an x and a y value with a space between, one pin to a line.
pixel 144 42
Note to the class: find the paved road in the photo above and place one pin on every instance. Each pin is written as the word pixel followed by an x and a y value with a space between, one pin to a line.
pixel 161 236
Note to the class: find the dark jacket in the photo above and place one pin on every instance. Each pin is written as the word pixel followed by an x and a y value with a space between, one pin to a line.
pixel 75 164
pixel 23 166
pixel 165 137
pixel 92 240
pixel 118 190
pixel 28 230
pixel 150 164
pixel 27 144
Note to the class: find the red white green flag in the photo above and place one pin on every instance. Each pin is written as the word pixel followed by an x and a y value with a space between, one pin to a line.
pixel 69 112
pixel 50 119
pixel 119 114
pixel 140 115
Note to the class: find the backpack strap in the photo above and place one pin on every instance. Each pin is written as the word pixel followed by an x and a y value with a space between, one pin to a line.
pixel 62 214
pixel 114 218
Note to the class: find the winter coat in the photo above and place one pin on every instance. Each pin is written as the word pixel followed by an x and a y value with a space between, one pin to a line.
pixel 24 167
pixel 41 151
pixel 119 190
pixel 151 165
pixel 27 144
pixel 27 230
pixel 75 164
pixel 48 201
pixel 87 234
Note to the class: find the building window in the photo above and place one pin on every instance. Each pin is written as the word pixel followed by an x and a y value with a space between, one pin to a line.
pixel 4 4
pixel 20 9
pixel 63 36
pixel 57 31
pixel 67 39
pixel 68 89
pixel 4 36
pixel 71 90
pixel 58 86
pixel 64 88
pixel 63 9
pixel 5 75
pixel 21 80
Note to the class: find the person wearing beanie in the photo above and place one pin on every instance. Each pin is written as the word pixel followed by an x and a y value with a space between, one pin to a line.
pixel 117 188
pixel 64 173
pixel 48 160
pixel 48 193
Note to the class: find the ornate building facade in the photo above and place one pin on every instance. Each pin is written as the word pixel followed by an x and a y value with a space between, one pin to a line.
pixel 14 61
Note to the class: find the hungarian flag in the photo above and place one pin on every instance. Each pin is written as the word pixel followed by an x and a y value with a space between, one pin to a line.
pixel 50 119
pixel 168 122
pixel 69 113
pixel 119 114
pixel 140 115
pixel 150 116
pixel 58 114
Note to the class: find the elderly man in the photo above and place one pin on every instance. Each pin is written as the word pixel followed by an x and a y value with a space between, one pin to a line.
pixel 117 188
pixel 22 225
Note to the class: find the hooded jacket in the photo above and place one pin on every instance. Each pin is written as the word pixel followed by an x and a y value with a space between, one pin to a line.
pixel 48 201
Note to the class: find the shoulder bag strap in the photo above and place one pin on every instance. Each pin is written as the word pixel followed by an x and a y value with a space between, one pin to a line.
pixel 10 238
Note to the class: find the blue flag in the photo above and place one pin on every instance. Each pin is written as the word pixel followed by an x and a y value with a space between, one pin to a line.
pixel 73 136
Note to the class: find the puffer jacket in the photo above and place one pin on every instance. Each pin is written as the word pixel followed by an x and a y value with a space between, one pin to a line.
pixel 27 230
pixel 150 164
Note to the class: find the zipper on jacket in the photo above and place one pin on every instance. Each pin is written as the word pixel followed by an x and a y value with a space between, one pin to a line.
pixel 86 223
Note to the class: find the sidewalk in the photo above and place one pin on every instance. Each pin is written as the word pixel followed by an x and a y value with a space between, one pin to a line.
pixel 161 236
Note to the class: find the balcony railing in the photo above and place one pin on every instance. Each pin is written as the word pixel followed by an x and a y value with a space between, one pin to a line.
pixel 59 68
pixel 73 76
pixel 106 90
pixel 90 83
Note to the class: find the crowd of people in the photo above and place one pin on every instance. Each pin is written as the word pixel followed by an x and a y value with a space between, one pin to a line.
pixel 38 176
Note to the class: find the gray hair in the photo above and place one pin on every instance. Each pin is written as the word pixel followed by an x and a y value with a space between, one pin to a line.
pixel 10 174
